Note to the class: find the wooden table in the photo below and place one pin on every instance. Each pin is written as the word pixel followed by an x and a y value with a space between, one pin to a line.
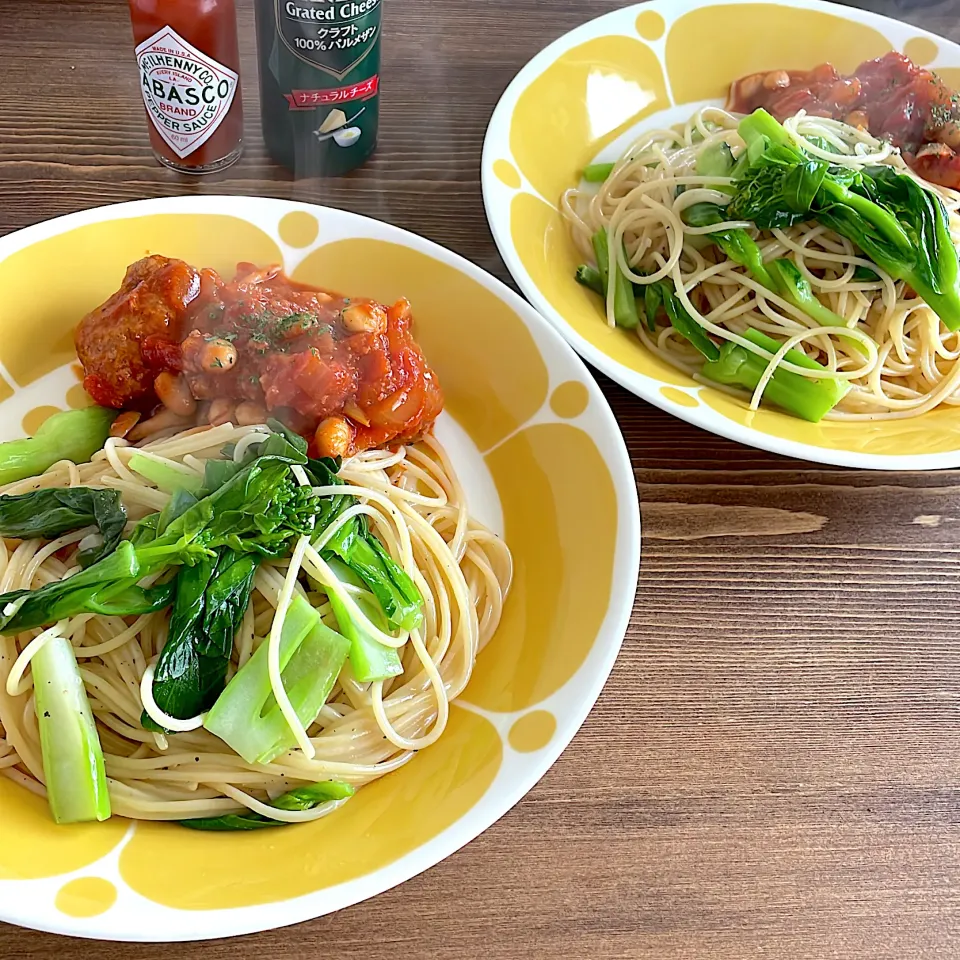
pixel 773 768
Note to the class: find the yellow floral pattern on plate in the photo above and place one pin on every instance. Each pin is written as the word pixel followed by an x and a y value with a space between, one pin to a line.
pixel 34 846
pixel 98 255
pixel 493 376
pixel 581 103
pixel 386 819
pixel 560 521
pixel 767 37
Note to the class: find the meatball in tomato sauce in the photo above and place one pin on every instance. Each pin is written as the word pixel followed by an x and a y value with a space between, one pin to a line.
pixel 114 341
pixel 344 372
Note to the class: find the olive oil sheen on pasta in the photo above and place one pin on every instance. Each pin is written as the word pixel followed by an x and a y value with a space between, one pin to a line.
pixel 319 82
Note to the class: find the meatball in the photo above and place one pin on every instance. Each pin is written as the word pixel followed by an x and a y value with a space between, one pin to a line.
pixel 119 341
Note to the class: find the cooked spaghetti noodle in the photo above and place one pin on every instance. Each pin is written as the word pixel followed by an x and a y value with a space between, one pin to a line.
pixel 897 356
pixel 413 503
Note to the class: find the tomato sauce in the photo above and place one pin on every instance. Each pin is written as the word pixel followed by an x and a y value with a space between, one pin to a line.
pixel 261 345
pixel 189 65
pixel 891 97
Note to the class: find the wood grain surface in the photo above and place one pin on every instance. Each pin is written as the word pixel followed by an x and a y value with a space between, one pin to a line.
pixel 773 770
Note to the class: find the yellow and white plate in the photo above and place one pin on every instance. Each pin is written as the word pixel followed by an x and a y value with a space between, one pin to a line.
pixel 588 94
pixel 543 463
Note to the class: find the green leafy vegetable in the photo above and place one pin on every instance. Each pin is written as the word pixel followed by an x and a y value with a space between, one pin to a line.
pixel 597 172
pixel 72 757
pixel 259 510
pixel 865 275
pixel 303 798
pixel 70 435
pixel 211 598
pixel 370 659
pixel 795 287
pixel 737 244
pixel 590 278
pixel 662 295
pixel 178 504
pixel 803 397
pixel 225 601
pixel 901 227
pixel 167 478
pixel 659 295
pixel 624 304
pixel 716 160
pixel 897 223
pixel 365 555
pixel 246 715
pixel 133 601
pixel 23 609
pixel 49 513
pixel 760 131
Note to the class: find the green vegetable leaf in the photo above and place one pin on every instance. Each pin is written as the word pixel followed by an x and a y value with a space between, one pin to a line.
pixel 260 510
pixel 716 160
pixel 624 302
pixel 303 798
pixel 246 715
pixel 73 766
pixel 796 288
pixel 370 659
pixel 49 513
pixel 661 295
pixel 167 478
pixel 396 593
pixel 211 598
pixel 897 223
pixel 597 172
pixel 737 244
pixel 70 435
pixel 805 398
pixel 589 277
pixel 82 593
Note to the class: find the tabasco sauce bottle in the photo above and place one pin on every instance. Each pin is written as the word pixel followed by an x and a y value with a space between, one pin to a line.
pixel 319 82
pixel 189 68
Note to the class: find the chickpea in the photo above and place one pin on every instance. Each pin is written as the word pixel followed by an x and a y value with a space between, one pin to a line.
pixel 365 317
pixel 250 412
pixel 844 92
pixel 949 134
pixel 748 87
pixel 222 410
pixel 858 118
pixel 776 80
pixel 399 314
pixel 124 423
pixel 174 394
pixel 165 420
pixel 333 437
pixel 217 356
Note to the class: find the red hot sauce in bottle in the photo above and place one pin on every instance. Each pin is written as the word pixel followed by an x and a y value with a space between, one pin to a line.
pixel 189 65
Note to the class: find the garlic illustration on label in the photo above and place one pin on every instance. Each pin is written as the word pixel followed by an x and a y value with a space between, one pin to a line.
pixel 343 138
pixel 335 125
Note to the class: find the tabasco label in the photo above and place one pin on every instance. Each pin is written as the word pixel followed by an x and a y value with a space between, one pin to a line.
pixel 334 36
pixel 187 93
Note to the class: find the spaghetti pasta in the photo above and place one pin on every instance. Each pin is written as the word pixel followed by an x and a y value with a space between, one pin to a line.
pixel 898 358
pixel 415 505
